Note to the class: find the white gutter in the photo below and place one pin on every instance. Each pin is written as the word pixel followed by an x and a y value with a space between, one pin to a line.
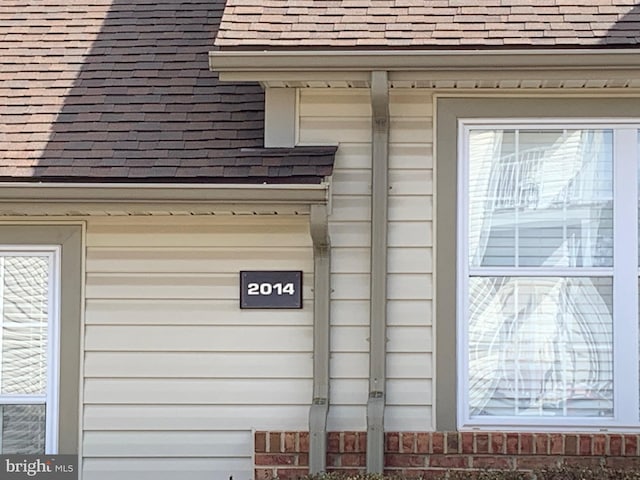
pixel 107 193
pixel 263 64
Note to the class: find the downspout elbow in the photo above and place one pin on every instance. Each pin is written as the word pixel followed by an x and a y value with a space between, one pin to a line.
pixel 321 321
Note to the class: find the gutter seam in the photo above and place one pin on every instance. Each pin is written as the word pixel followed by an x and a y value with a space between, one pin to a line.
pixel 378 293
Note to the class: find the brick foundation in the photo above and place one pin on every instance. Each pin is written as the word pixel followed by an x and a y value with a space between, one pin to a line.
pixel 281 454
pixel 286 454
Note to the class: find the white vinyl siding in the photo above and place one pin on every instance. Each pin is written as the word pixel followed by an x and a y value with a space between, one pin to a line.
pixel 343 116
pixel 176 375
pixel 151 468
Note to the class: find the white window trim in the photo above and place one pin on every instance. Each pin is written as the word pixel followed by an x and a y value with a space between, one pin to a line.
pixel 53 252
pixel 625 287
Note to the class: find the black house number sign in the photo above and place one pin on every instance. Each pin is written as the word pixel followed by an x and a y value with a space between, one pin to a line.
pixel 271 289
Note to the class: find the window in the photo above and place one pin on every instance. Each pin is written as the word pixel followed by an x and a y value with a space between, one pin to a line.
pixel 547 281
pixel 28 349
pixel 40 311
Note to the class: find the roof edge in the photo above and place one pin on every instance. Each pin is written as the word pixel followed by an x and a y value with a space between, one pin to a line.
pixel 260 65
pixel 138 193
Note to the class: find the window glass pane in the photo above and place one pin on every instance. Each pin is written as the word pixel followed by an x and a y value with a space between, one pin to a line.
pixel 24 324
pixel 540 198
pixel 540 346
pixel 23 429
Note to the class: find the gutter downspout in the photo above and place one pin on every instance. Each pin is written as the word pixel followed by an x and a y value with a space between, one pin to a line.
pixel 378 300
pixel 321 316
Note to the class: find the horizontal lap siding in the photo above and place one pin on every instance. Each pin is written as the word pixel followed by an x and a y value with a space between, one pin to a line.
pixel 410 262
pixel 344 117
pixel 176 375
pixel 190 444
pixel 166 467
pixel 119 417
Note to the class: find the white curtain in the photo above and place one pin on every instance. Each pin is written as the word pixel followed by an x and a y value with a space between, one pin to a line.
pixel 540 345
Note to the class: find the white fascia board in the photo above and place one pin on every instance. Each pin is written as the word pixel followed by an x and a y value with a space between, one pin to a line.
pixel 136 193
pixel 353 65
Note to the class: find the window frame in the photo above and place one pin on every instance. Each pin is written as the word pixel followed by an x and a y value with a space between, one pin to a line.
pixel 68 237
pixel 448 107
pixel 624 275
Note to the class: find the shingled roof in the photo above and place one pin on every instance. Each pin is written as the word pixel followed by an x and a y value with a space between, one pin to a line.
pixel 430 23
pixel 120 90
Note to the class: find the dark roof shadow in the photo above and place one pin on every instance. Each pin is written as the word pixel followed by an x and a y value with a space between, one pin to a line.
pixel 145 107
pixel 625 31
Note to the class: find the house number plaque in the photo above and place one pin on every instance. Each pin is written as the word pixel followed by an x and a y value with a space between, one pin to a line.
pixel 271 289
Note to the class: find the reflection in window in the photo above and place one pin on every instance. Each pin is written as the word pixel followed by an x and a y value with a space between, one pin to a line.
pixel 540 344
pixel 24 351
pixel 540 198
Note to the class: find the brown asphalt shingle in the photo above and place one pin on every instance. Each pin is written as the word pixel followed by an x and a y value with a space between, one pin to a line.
pixel 430 23
pixel 120 90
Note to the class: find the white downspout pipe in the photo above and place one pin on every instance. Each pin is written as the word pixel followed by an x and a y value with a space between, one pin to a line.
pixel 378 300
pixel 321 316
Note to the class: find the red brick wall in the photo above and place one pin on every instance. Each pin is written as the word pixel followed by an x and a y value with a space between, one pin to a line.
pixel 281 454
pixel 285 454
pixel 347 452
